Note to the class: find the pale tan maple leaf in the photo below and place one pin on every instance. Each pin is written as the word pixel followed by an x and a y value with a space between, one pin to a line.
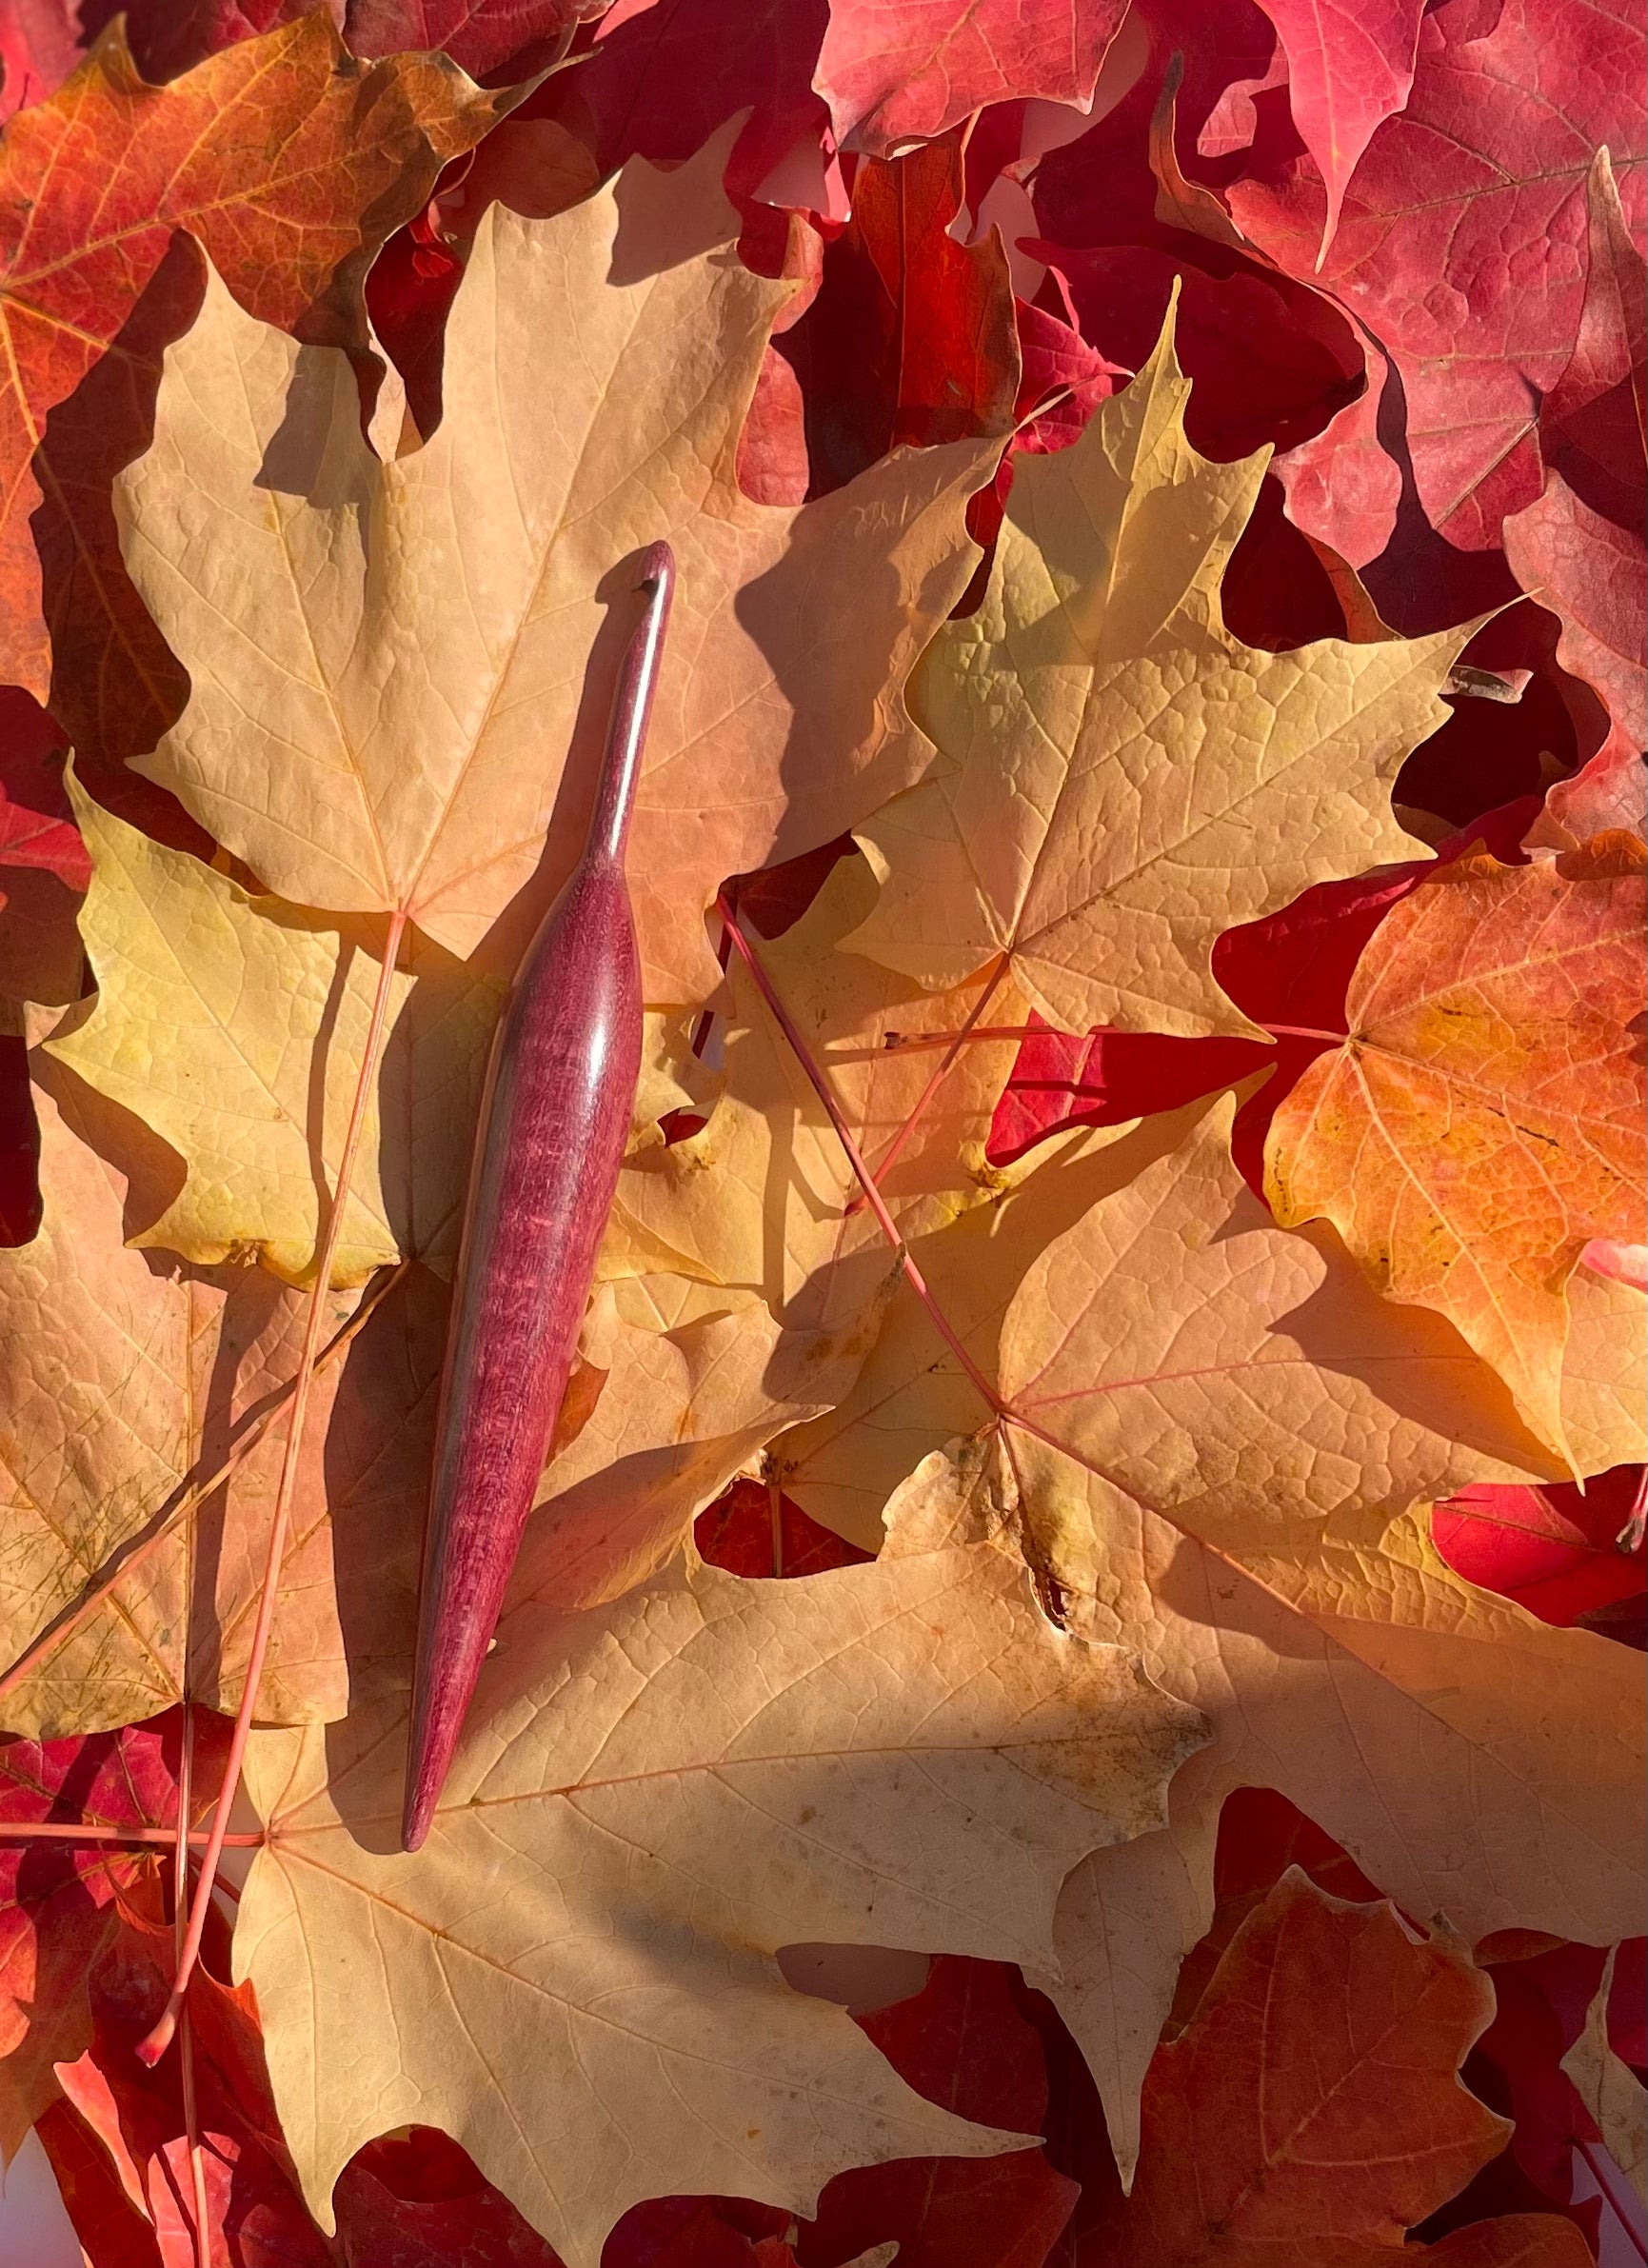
pixel 653 1799
pixel 1120 779
pixel 399 670
pixel 1484 1120
pixel 1610 2090
pixel 123 1383
pixel 1212 1354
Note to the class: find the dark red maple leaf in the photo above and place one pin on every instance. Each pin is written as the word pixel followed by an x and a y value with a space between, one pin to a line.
pixel 419 2200
pixel 1269 364
pixel 911 337
pixel 1554 1550
pixel 44 868
pixel 1461 246
pixel 488 38
pixel 19 1145
pixel 168 37
pixel 255 2210
pixel 1276 2125
pixel 963 2042
pixel 747 1533
pixel 660 75
pixel 61 1901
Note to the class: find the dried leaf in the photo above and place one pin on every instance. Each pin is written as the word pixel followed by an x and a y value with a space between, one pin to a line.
pixel 1123 779
pixel 234 1027
pixel 1204 1505
pixel 1611 2092
pixel 423 627
pixel 1312 2111
pixel 123 1386
pixel 661 1794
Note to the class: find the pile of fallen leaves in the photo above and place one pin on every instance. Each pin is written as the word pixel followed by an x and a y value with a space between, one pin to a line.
pixel 1135 1205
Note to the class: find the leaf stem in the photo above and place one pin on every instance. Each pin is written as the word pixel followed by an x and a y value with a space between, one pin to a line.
pixel 153 2045
pixel 1307 1031
pixel 118 1567
pixel 905 1043
pixel 186 2030
pixel 873 1197
pixel 90 1831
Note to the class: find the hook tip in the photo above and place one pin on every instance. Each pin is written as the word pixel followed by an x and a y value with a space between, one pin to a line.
pixel 656 573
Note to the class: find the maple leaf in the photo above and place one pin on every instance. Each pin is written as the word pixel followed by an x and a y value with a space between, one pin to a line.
pixel 1562 1555
pixel 1611 2091
pixel 1311 2111
pixel 44 868
pixel 420 2201
pixel 666 1792
pixel 482 36
pixel 1591 422
pixel 911 339
pixel 1124 780
pixel 235 1027
pixel 1205 1504
pixel 1459 243
pixel 168 37
pixel 964 2041
pixel 126 1573
pixel 1267 361
pixel 1348 70
pixel 38 49
pixel 412 752
pixel 659 80
pixel 1591 570
pixel 1482 1120
pixel 61 1901
pixel 895 75
pixel 93 185
pixel 144 2122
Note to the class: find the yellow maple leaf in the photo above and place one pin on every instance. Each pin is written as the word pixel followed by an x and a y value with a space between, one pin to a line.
pixel 1120 779
pixel 1484 1120
pixel 234 1027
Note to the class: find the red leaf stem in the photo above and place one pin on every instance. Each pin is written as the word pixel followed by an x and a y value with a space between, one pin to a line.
pixel 154 2045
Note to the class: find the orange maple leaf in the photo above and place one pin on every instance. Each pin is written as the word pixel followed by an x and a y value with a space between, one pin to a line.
pixel 1483 1118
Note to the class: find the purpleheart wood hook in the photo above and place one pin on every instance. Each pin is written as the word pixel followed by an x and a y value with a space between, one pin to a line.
pixel 554 1118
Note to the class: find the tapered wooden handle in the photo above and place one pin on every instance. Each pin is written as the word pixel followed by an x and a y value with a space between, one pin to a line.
pixel 554 1119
